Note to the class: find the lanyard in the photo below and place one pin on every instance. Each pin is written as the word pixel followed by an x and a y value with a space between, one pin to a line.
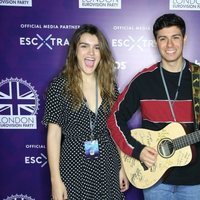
pixel 171 102
pixel 92 125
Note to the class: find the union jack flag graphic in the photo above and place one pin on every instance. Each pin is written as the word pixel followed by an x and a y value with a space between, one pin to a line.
pixel 17 97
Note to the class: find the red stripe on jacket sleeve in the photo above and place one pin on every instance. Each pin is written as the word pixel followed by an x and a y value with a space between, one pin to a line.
pixel 117 135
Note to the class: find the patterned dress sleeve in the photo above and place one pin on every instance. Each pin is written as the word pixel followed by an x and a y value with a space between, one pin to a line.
pixel 54 103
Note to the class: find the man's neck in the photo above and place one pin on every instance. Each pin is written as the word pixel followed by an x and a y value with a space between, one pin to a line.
pixel 174 67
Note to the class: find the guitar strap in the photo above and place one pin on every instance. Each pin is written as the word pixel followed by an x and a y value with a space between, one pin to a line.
pixel 195 69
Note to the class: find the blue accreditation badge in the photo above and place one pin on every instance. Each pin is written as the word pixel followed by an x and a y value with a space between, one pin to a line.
pixel 91 149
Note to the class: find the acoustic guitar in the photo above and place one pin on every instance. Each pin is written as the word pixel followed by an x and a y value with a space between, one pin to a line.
pixel 173 147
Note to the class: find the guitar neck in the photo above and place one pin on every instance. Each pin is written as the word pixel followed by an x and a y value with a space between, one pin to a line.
pixel 186 140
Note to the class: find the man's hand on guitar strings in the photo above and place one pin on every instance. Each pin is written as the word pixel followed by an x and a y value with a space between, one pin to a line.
pixel 148 156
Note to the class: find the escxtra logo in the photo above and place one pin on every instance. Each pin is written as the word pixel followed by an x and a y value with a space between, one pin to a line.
pixel 131 43
pixel 40 41
pixel 44 41
pixel 39 160
pixel 19 104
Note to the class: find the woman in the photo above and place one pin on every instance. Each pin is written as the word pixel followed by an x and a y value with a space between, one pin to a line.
pixel 83 159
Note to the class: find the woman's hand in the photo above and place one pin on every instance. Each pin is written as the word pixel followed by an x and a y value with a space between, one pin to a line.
pixel 123 180
pixel 59 191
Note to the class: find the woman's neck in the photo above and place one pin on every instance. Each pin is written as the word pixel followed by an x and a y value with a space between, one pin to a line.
pixel 88 79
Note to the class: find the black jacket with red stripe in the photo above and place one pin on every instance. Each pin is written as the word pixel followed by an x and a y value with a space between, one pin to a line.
pixel 146 92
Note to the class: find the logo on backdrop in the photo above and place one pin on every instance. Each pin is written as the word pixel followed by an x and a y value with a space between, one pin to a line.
pixel 102 4
pixel 40 159
pixel 19 197
pixel 36 160
pixel 19 104
pixel 184 5
pixel 23 3
pixel 131 43
pixel 197 62
pixel 121 65
pixel 40 41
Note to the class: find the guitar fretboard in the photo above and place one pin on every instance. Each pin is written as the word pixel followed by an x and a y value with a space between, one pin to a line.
pixel 186 140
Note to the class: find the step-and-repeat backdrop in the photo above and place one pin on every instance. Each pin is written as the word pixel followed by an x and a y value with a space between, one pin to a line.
pixel 34 38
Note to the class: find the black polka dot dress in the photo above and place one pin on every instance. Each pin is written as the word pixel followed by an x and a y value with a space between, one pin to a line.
pixel 85 179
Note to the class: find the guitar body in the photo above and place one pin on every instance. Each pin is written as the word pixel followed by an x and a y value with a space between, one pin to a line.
pixel 142 177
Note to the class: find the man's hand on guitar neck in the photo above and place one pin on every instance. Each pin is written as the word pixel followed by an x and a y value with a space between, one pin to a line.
pixel 148 156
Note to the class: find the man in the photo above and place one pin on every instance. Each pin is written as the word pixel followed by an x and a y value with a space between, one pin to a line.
pixel 163 93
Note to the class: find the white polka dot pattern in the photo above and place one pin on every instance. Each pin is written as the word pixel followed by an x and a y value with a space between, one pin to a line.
pixel 85 179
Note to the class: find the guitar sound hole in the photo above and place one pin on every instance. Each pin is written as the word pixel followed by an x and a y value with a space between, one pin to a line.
pixel 165 148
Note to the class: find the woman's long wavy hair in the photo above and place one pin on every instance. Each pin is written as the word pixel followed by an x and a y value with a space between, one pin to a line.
pixel 104 71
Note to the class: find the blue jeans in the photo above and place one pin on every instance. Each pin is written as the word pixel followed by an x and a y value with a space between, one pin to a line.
pixel 172 192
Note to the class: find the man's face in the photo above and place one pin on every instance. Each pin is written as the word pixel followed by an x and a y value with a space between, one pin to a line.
pixel 170 42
